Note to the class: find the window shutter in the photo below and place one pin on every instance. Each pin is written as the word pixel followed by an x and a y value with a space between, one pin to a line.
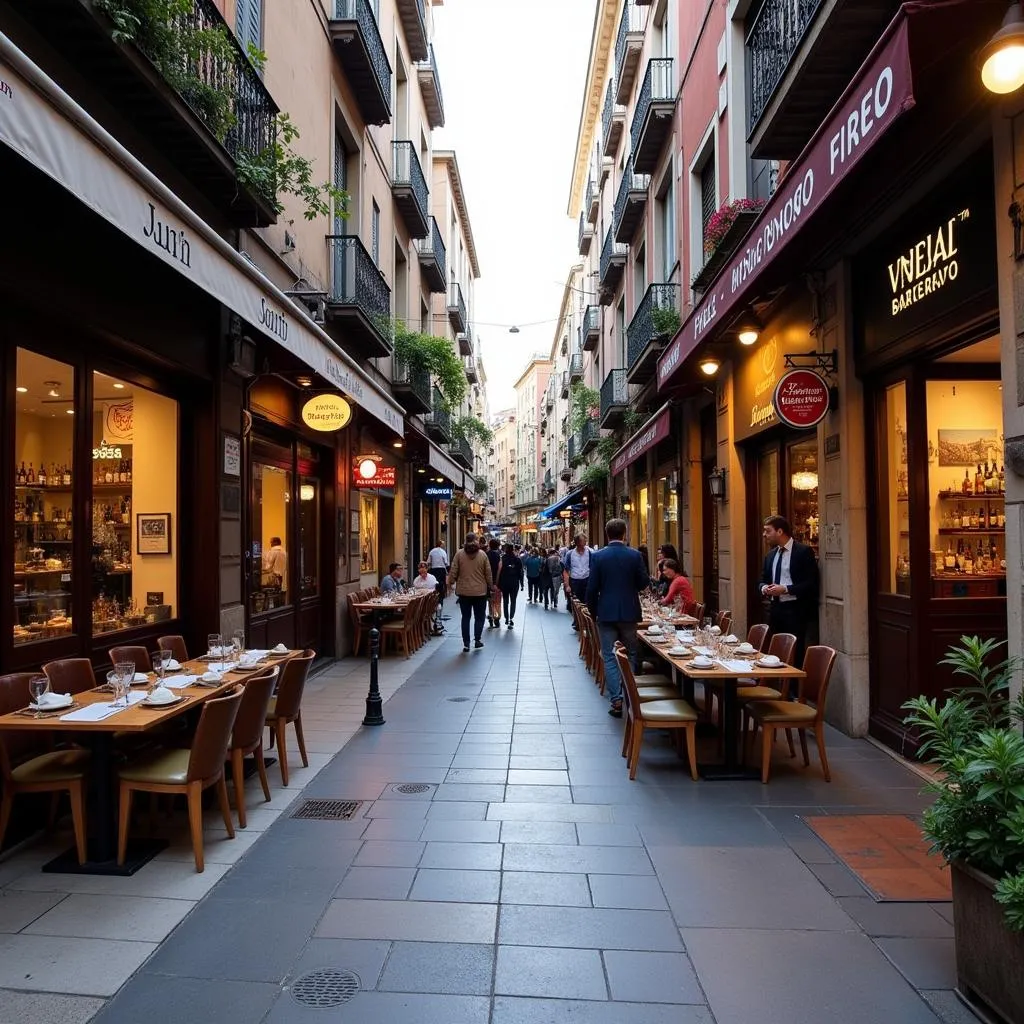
pixel 707 192
pixel 249 22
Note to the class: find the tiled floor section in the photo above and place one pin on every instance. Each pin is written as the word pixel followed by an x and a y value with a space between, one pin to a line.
pixel 530 883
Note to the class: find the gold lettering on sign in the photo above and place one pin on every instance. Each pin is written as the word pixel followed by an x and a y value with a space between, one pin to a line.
pixel 927 266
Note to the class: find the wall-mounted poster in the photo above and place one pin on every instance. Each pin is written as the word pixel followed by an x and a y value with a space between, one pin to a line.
pixel 965 447
pixel 368 533
pixel 153 531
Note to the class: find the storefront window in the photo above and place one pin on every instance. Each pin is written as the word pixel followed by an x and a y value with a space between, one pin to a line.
pixel 667 512
pixel 967 525
pixel 803 498
pixel 44 479
pixel 309 535
pixel 895 552
pixel 134 479
pixel 271 536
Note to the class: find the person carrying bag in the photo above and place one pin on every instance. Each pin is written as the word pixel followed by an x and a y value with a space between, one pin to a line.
pixel 471 577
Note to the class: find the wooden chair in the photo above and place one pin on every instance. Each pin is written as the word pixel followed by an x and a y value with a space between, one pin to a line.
pixel 139 655
pixel 358 622
pixel 29 765
pixel 698 612
pixel 399 629
pixel 721 618
pixel 726 625
pixel 187 772
pixel 757 635
pixel 247 735
pixel 771 715
pixel 176 645
pixel 656 714
pixel 286 707
pixel 70 675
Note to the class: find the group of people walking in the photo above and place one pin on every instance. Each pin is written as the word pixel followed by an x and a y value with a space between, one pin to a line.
pixel 543 575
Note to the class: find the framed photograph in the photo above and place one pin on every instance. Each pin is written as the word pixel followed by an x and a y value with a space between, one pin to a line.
pixel 966 447
pixel 153 533
pixel 353 546
pixel 232 455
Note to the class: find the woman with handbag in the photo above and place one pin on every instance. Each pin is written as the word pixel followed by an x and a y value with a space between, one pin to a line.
pixel 471 577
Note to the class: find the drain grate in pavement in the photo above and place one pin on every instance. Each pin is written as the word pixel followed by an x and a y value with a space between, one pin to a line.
pixel 325 988
pixel 412 787
pixel 328 810
pixel 459 700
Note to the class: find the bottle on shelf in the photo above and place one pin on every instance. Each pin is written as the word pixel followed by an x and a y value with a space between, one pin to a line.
pixel 969 560
pixel 1002 478
pixel 42 474
pixel 1001 519
pixel 965 487
pixel 67 475
pixel 31 478
pixel 108 475
pixel 950 559
pixel 979 481
pixel 128 473
pixel 973 523
pixel 22 476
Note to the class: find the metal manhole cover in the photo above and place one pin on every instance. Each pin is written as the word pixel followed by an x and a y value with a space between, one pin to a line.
pixel 325 988
pixel 328 810
pixel 413 787
pixel 459 700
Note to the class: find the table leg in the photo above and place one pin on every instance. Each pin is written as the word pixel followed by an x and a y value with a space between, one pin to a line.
pixel 731 768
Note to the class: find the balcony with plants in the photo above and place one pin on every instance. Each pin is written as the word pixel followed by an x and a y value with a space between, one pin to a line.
pixel 630 203
pixel 726 228
pixel 359 305
pixel 585 236
pixel 411 386
pixel 413 16
pixel 409 189
pixel 438 419
pixel 433 259
pixel 430 87
pixel 614 399
pixel 613 123
pixel 468 431
pixel 611 268
pixel 629 43
pixel 655 321
pixel 427 373
pixel 652 118
pixel 590 328
pixel 457 309
pixel 360 49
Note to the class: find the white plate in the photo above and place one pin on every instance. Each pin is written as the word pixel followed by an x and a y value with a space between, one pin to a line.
pixel 769 664
pixel 698 664
pixel 163 703
pixel 53 704
pixel 679 651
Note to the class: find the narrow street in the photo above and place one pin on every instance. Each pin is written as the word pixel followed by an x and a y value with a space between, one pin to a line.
pixel 526 880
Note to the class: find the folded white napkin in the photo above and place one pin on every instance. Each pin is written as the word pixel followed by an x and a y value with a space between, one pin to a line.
pixel 162 695
pixel 98 712
pixel 49 699
pixel 280 649
pixel 715 630
pixel 732 638
pixel 173 665
pixel 256 654
pixel 140 677
pixel 179 682
pixel 734 664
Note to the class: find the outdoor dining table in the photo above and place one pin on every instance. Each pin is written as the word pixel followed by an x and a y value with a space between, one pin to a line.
pixel 99 735
pixel 729 670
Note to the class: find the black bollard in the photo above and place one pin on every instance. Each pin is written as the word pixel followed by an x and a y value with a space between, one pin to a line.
pixel 374 705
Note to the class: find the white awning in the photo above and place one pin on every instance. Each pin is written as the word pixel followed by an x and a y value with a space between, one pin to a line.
pixel 43 124
pixel 443 464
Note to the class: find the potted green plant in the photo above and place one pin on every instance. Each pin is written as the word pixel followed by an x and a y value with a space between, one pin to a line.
pixel 666 321
pixel 974 739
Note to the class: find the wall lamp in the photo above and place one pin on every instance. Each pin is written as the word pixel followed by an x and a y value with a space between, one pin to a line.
pixel 748 330
pixel 709 366
pixel 716 483
pixel 627 506
pixel 1002 57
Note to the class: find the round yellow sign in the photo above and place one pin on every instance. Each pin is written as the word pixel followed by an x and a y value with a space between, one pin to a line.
pixel 326 413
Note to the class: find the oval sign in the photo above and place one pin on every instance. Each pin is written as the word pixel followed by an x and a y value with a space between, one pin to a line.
pixel 326 413
pixel 801 399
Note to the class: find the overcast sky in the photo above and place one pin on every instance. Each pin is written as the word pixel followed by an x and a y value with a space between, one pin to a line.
pixel 512 75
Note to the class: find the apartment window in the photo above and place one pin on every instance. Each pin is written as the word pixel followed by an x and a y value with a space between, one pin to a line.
pixel 639 276
pixel 340 181
pixel 708 193
pixel 249 23
pixel 619 340
pixel 375 234
pixel 665 228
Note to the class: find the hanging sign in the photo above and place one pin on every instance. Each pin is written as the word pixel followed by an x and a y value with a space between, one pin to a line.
pixel 384 477
pixel 801 399
pixel 326 413
pixel 437 492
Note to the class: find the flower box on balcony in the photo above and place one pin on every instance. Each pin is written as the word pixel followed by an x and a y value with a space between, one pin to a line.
pixel 725 231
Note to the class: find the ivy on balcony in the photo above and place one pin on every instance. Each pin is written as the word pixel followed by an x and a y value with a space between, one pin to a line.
pixel 584 405
pixel 434 355
pixel 470 429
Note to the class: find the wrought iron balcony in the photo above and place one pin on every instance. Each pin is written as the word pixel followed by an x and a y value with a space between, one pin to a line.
pixel 357 43
pixel 630 203
pixel 590 329
pixel 574 449
pixel 457 308
pixel 360 301
pixel 549 395
pixel 565 473
pixel 462 451
pixel 471 374
pixel 590 434
pixel 409 188
pixel 593 201
pixel 565 383
pixel 543 421
pixel 614 399
pixel 411 386
pixel 652 119
pixel 433 259
pixel 464 339
pixel 628 44
pixel 656 319
pixel 586 236
pixel 414 22
pixel 613 122
pixel 549 481
pixel 575 367
pixel 430 87
pixel 612 267
pixel 438 419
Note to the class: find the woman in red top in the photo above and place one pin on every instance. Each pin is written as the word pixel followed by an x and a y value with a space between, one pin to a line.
pixel 679 587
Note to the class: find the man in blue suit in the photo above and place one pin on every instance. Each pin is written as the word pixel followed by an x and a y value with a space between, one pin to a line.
pixel 617 575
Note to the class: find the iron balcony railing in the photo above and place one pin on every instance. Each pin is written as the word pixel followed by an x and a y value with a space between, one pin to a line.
pixel 586 230
pixel 462 450
pixel 611 108
pixel 614 392
pixel 565 473
pixel 593 198
pixel 457 306
pixel 574 448
pixel 590 434
pixel 590 328
pixel 361 12
pixel 658 87
pixel 414 379
pixel 430 66
pixel 652 319
pixel 549 481
pixel 565 383
pixel 439 417
pixel 633 20
pixel 414 17
pixel 631 182
pixel 357 281
pixel 772 42
pixel 549 396
pixel 433 245
pixel 611 250
pixel 406 170
pixel 575 367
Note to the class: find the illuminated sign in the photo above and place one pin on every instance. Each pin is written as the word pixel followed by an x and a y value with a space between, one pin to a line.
pixel 326 413
pixel 383 477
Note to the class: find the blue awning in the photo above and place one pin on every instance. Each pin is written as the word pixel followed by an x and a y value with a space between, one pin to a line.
pixel 570 499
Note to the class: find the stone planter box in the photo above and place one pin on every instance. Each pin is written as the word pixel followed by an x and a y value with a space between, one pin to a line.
pixel 989 957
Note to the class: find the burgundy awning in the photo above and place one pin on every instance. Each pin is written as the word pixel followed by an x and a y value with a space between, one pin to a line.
pixel 654 430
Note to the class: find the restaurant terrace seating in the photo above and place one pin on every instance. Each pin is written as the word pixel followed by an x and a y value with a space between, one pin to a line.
pixel 247 735
pixel 176 645
pixel 286 708
pixel 138 655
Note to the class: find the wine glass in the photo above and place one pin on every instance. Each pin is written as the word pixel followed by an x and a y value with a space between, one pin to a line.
pixel 126 676
pixel 37 686
pixel 214 643
pixel 160 662
pixel 238 639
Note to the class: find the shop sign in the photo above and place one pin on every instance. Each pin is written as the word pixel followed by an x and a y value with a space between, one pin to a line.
pixel 801 399
pixel 653 431
pixel 438 493
pixel 755 380
pixel 119 420
pixel 326 413
pixel 878 95
pixel 384 477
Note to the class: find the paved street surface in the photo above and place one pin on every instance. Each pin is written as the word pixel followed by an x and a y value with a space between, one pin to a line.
pixel 527 881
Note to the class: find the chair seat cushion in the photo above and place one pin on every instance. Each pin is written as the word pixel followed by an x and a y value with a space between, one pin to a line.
pixel 782 711
pixel 649 693
pixel 757 693
pixel 668 711
pixel 55 766
pixel 652 679
pixel 166 767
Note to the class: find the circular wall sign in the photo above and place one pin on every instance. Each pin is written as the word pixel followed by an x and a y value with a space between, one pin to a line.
pixel 326 412
pixel 801 399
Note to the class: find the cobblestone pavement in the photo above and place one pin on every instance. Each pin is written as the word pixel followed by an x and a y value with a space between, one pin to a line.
pixel 525 880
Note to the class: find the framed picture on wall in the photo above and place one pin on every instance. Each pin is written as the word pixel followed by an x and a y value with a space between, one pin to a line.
pixel 354 524
pixel 353 546
pixel 153 533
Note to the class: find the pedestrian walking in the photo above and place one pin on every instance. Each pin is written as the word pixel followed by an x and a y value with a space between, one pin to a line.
pixel 576 570
pixel 616 578
pixel 473 581
pixel 494 608
pixel 510 582
pixel 437 560
pixel 533 567
pixel 790 582
pixel 554 576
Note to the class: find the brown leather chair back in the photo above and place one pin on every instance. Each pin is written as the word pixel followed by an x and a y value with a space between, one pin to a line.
pixel 698 612
pixel 783 645
pixel 70 675
pixel 210 743
pixel 725 625
pixel 353 612
pixel 721 617
pixel 176 645
pixel 252 715
pixel 628 680
pixel 756 636
pixel 137 654
pixel 818 664
pixel 17 745
pixel 293 682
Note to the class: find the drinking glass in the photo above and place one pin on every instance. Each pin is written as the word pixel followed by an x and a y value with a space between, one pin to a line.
pixel 214 643
pixel 37 686
pixel 126 676
pixel 160 662
pixel 238 638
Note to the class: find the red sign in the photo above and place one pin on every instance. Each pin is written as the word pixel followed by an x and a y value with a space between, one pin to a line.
pixel 384 477
pixel 881 91
pixel 801 399
pixel 654 430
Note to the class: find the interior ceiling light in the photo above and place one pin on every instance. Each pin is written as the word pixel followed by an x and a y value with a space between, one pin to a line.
pixel 304 381
pixel 804 480
pixel 1002 58
pixel 397 444
pixel 118 385
pixel 421 470
pixel 21 390
pixel 709 366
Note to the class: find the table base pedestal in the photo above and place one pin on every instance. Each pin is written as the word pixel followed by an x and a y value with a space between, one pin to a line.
pixel 140 853
pixel 727 773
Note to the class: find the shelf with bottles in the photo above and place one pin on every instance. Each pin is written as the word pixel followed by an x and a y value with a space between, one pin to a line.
pixel 983 531
pixel 958 496
pixel 988 480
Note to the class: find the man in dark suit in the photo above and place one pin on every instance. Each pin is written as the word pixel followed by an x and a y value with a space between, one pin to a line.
pixel 617 575
pixel 790 581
